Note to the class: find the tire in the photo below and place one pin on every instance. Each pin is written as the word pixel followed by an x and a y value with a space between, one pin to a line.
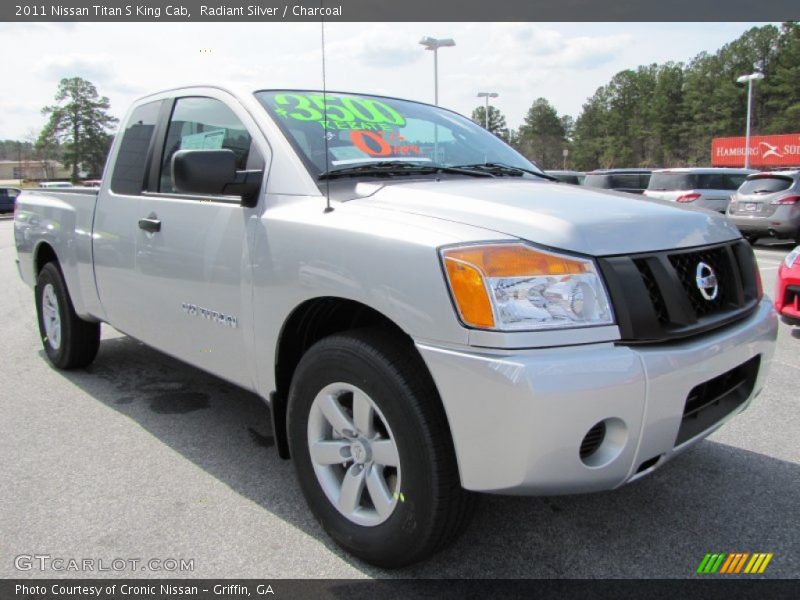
pixel 752 238
pixel 69 341
pixel 402 514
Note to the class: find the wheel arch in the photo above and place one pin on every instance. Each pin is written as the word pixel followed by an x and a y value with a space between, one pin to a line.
pixel 43 254
pixel 309 322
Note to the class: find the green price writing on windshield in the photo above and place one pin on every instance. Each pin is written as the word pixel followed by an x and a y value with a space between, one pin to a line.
pixel 343 109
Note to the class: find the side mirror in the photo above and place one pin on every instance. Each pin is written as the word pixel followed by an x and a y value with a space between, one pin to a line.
pixel 214 172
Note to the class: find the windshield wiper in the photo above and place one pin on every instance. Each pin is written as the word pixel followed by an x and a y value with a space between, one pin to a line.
pixel 496 168
pixel 398 168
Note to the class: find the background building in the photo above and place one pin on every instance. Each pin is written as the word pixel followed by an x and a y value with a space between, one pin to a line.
pixel 32 170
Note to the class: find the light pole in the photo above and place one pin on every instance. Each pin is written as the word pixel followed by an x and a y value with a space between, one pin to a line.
pixel 434 44
pixel 749 79
pixel 487 95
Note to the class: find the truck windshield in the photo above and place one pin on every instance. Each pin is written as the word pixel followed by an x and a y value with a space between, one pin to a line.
pixel 339 131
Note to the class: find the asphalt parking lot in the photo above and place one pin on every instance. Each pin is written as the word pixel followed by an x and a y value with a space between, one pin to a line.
pixel 141 456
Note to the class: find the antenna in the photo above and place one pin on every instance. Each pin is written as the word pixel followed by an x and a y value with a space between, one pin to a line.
pixel 328 207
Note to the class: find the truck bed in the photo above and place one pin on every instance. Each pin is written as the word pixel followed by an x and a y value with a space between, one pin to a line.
pixel 62 219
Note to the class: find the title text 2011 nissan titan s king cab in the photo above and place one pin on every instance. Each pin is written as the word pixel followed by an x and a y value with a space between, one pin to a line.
pixel 426 313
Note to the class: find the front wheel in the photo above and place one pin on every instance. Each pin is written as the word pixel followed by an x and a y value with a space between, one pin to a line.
pixel 373 451
pixel 69 341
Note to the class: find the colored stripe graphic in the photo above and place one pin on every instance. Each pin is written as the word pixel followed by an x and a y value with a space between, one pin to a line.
pixel 741 562
pixel 758 563
pixel 733 563
pixel 711 563
pixel 727 567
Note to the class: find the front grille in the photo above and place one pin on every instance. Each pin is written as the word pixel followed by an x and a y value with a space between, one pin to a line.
pixel 685 266
pixel 711 401
pixel 652 290
pixel 656 295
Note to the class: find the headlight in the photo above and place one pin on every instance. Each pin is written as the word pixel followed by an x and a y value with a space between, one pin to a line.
pixel 792 257
pixel 514 287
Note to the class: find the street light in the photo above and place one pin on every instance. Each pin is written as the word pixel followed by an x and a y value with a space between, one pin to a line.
pixel 434 44
pixel 748 79
pixel 487 95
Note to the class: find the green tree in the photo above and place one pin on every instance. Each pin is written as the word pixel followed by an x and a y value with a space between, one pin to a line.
pixel 79 121
pixel 568 124
pixel 666 115
pixel 497 121
pixel 782 103
pixel 669 115
pixel 542 137
pixel 590 132
pixel 716 104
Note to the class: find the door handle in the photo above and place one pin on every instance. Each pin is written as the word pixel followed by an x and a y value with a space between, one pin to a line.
pixel 150 225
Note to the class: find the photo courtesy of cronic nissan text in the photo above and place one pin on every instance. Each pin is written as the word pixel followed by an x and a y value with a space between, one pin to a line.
pixel 380 299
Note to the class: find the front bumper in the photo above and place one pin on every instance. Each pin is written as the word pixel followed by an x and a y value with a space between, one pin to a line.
pixel 518 418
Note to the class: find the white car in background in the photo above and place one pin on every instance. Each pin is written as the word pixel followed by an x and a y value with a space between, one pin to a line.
pixel 709 188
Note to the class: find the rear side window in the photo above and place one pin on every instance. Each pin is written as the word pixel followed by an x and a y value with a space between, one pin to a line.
pixel 205 123
pixel 709 181
pixel 631 181
pixel 765 185
pixel 732 182
pixel 598 181
pixel 625 181
pixel 131 163
pixel 672 181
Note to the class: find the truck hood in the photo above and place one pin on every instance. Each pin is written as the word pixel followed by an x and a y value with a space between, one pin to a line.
pixel 578 219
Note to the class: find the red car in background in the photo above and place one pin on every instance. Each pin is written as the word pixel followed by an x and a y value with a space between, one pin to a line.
pixel 787 294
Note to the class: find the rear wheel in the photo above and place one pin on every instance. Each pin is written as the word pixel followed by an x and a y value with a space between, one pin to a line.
pixel 69 341
pixel 372 449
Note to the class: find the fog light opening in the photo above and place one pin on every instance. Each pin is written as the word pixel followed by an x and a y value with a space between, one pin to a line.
pixel 603 443
pixel 592 440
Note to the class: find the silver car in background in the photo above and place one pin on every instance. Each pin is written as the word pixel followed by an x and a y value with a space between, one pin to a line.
pixel 768 204
pixel 709 188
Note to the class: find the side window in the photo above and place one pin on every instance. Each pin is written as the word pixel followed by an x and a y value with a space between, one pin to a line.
pixel 205 123
pixel 131 163
pixel 625 181
pixel 733 182
pixel 710 182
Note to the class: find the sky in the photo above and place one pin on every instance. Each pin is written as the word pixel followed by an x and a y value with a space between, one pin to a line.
pixel 563 62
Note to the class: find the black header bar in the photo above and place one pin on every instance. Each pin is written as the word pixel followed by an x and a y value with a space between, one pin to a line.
pixel 398 10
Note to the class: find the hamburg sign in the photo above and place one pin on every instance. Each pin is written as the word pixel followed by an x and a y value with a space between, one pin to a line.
pixel 765 151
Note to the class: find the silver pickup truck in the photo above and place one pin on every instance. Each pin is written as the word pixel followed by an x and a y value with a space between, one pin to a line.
pixel 425 312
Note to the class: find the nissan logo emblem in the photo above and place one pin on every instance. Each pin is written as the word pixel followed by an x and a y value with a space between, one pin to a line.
pixel 706 281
